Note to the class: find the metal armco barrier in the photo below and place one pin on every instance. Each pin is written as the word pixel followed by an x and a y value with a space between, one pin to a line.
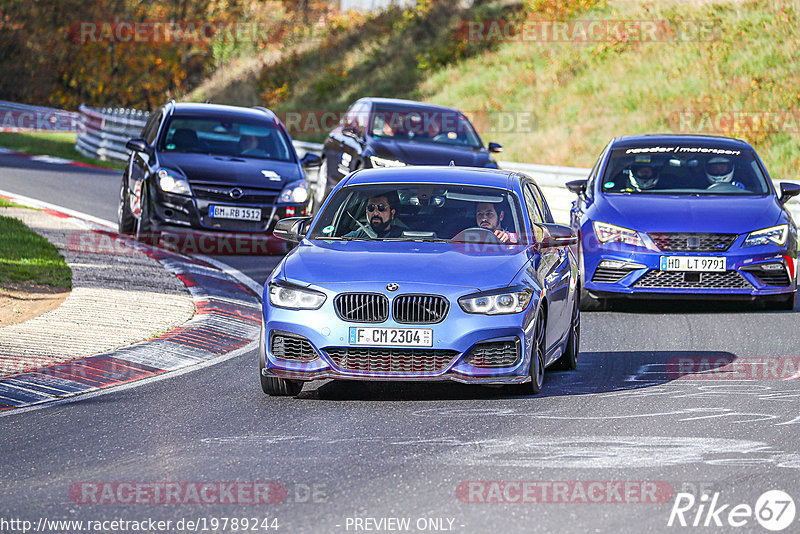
pixel 102 134
pixel 22 117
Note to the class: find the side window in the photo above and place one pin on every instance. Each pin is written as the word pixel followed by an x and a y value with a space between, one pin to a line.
pixel 530 203
pixel 362 114
pixel 151 128
pixel 593 174
pixel 592 178
pixel 349 120
pixel 149 125
pixel 541 202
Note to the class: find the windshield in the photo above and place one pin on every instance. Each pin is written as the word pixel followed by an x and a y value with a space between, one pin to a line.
pixel 684 170
pixel 226 137
pixel 422 212
pixel 423 125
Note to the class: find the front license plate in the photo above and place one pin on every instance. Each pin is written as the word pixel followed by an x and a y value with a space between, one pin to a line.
pixel 693 263
pixel 391 337
pixel 234 212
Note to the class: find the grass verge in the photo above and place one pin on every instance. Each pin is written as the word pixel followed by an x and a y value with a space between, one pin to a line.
pixel 59 144
pixel 27 257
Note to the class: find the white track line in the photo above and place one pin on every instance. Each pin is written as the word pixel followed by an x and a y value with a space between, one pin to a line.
pixel 39 204
pixel 135 384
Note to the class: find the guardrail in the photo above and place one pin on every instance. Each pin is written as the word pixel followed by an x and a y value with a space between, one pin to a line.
pixel 102 133
pixel 22 117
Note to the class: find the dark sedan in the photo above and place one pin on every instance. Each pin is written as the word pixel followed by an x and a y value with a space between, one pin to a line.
pixel 387 132
pixel 212 168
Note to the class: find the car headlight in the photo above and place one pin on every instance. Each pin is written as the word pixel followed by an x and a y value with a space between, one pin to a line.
pixel 170 182
pixel 774 235
pixel 383 162
pixel 609 233
pixel 496 303
pixel 295 298
pixel 295 193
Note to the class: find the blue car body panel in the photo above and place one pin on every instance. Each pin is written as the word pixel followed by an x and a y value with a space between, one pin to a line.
pixel 682 214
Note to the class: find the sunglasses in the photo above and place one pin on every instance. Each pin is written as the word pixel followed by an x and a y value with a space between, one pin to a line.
pixel 379 207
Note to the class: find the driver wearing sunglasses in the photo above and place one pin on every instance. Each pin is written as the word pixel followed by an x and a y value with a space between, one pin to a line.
pixel 380 216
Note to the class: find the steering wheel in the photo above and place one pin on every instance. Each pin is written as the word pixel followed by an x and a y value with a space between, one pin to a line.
pixel 462 236
pixel 723 186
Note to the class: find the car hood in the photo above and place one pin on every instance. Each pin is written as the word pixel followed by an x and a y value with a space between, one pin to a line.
pixel 681 213
pixel 445 264
pixel 422 153
pixel 233 171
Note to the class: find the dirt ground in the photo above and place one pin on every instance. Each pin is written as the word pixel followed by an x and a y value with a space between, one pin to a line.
pixel 21 302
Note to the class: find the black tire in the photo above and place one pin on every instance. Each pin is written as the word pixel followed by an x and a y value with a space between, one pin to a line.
pixel 537 363
pixel 144 227
pixel 272 385
pixel 590 303
pixel 569 360
pixel 126 222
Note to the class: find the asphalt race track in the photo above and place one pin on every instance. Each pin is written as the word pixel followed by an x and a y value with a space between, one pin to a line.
pixel 350 456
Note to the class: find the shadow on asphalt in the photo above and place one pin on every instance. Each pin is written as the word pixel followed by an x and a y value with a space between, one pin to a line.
pixel 597 372
pixel 683 307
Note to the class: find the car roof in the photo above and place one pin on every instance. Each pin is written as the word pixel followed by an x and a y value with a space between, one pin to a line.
pixel 642 140
pixel 402 102
pixel 432 174
pixel 217 110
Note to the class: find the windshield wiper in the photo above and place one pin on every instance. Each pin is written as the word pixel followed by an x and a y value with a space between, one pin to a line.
pixel 367 230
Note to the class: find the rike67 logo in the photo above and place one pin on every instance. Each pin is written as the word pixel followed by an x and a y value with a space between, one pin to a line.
pixel 774 510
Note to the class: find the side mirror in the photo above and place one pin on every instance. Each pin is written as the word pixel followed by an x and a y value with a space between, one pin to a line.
pixel 556 235
pixel 291 229
pixel 577 186
pixel 311 160
pixel 495 147
pixel 137 145
pixel 350 131
pixel 788 190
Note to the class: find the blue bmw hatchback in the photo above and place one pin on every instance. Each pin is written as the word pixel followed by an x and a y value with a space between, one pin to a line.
pixel 684 216
pixel 426 274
